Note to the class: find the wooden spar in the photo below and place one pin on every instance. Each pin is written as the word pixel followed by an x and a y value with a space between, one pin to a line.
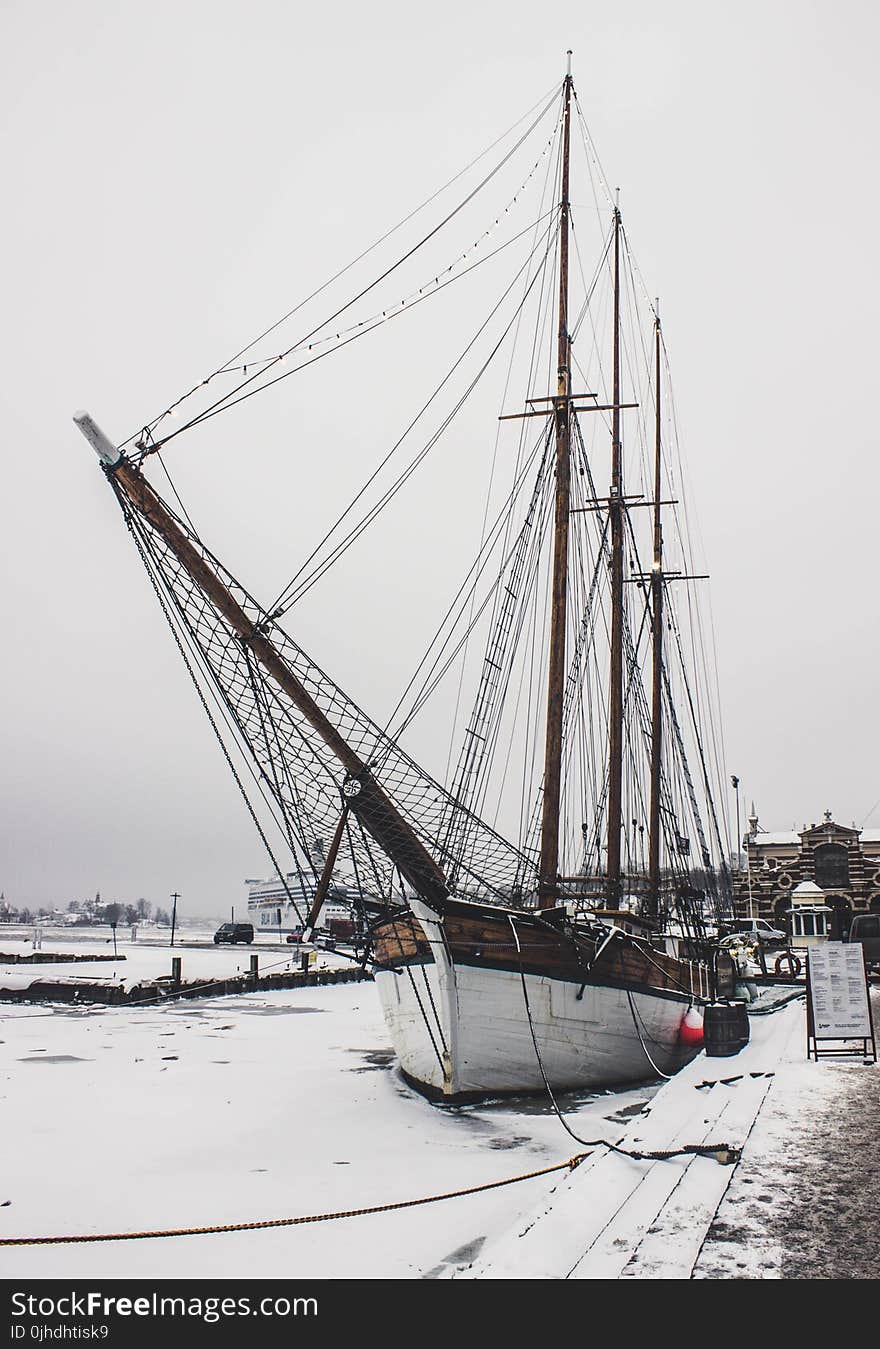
pixel 549 864
pixel 547 412
pixel 615 708
pixel 364 796
pixel 657 651
pixel 327 874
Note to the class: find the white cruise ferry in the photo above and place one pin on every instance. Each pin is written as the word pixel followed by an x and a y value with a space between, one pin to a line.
pixel 271 911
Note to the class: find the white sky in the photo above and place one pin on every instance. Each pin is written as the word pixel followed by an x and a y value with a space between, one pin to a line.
pixel 177 174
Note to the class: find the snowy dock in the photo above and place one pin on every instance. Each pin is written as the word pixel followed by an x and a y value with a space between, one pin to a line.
pixel 39 988
pixel 617 1217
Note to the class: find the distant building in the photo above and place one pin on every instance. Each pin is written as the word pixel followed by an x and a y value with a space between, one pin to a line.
pixel 843 862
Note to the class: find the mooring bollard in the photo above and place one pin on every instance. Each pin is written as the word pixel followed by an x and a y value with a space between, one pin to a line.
pixel 255 970
pixel 176 963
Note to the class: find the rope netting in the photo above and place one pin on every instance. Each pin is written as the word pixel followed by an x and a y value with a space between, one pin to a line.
pixel 296 768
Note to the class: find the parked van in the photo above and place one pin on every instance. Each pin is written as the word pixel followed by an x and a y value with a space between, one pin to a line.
pixel 756 927
pixel 234 932
pixel 865 928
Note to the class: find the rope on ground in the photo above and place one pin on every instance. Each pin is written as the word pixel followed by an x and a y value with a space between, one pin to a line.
pixel 721 1151
pixel 568 1165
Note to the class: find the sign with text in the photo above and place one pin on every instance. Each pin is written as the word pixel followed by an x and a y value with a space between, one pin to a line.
pixel 840 991
pixel 837 996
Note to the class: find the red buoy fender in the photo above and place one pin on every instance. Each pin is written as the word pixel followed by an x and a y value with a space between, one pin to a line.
pixel 690 1032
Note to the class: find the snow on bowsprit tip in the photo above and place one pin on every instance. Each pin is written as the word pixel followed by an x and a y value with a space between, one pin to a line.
pixel 537 911
pixel 101 444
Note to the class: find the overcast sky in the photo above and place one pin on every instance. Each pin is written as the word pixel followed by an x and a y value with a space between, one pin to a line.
pixel 176 175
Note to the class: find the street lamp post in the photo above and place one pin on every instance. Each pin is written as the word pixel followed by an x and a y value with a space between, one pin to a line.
pixel 739 863
pixel 175 897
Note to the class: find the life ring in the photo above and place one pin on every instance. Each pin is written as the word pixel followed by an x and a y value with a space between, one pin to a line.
pixel 791 960
pixel 784 881
pixel 876 878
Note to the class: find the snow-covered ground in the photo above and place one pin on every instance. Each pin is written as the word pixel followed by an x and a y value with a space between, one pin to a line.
pixel 257 1106
pixel 263 1106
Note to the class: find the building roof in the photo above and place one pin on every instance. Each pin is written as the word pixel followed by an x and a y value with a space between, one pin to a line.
pixel 776 840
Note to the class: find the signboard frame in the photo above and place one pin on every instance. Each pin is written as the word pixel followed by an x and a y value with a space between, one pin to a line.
pixel 847 1045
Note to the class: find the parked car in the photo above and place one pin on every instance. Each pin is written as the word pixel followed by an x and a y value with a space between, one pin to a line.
pixel 865 929
pixel 234 932
pixel 755 928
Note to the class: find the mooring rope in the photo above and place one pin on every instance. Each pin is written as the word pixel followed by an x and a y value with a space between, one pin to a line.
pixel 723 1153
pixel 568 1165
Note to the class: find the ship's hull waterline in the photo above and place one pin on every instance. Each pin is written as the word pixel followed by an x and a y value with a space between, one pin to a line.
pixel 479 1004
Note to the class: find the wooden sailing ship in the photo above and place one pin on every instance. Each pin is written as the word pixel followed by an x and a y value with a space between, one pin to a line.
pixel 499 968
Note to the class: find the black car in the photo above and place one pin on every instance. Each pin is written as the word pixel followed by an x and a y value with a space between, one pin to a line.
pixel 865 928
pixel 234 932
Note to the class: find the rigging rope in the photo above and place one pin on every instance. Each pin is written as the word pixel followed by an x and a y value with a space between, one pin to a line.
pixel 722 1152
pixel 300 584
pixel 231 398
pixel 214 727
pixel 276 752
pixel 551 94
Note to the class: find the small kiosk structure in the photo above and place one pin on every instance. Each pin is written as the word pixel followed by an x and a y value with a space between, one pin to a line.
pixel 809 917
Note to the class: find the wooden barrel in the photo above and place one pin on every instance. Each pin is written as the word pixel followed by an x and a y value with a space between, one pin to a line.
pixel 725 1029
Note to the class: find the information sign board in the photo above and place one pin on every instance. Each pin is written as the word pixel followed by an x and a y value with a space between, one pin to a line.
pixel 838 1006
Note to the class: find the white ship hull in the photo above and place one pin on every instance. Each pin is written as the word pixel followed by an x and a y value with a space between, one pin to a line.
pixel 462 1030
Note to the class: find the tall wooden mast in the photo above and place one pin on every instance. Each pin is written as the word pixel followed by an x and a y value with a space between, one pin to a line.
pixel 615 711
pixel 549 866
pixel 657 648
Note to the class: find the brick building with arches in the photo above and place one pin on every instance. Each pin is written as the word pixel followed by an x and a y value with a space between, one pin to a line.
pixel 844 862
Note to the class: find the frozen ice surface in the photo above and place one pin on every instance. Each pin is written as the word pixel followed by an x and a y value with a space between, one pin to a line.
pixel 257 1106
pixel 274 1105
